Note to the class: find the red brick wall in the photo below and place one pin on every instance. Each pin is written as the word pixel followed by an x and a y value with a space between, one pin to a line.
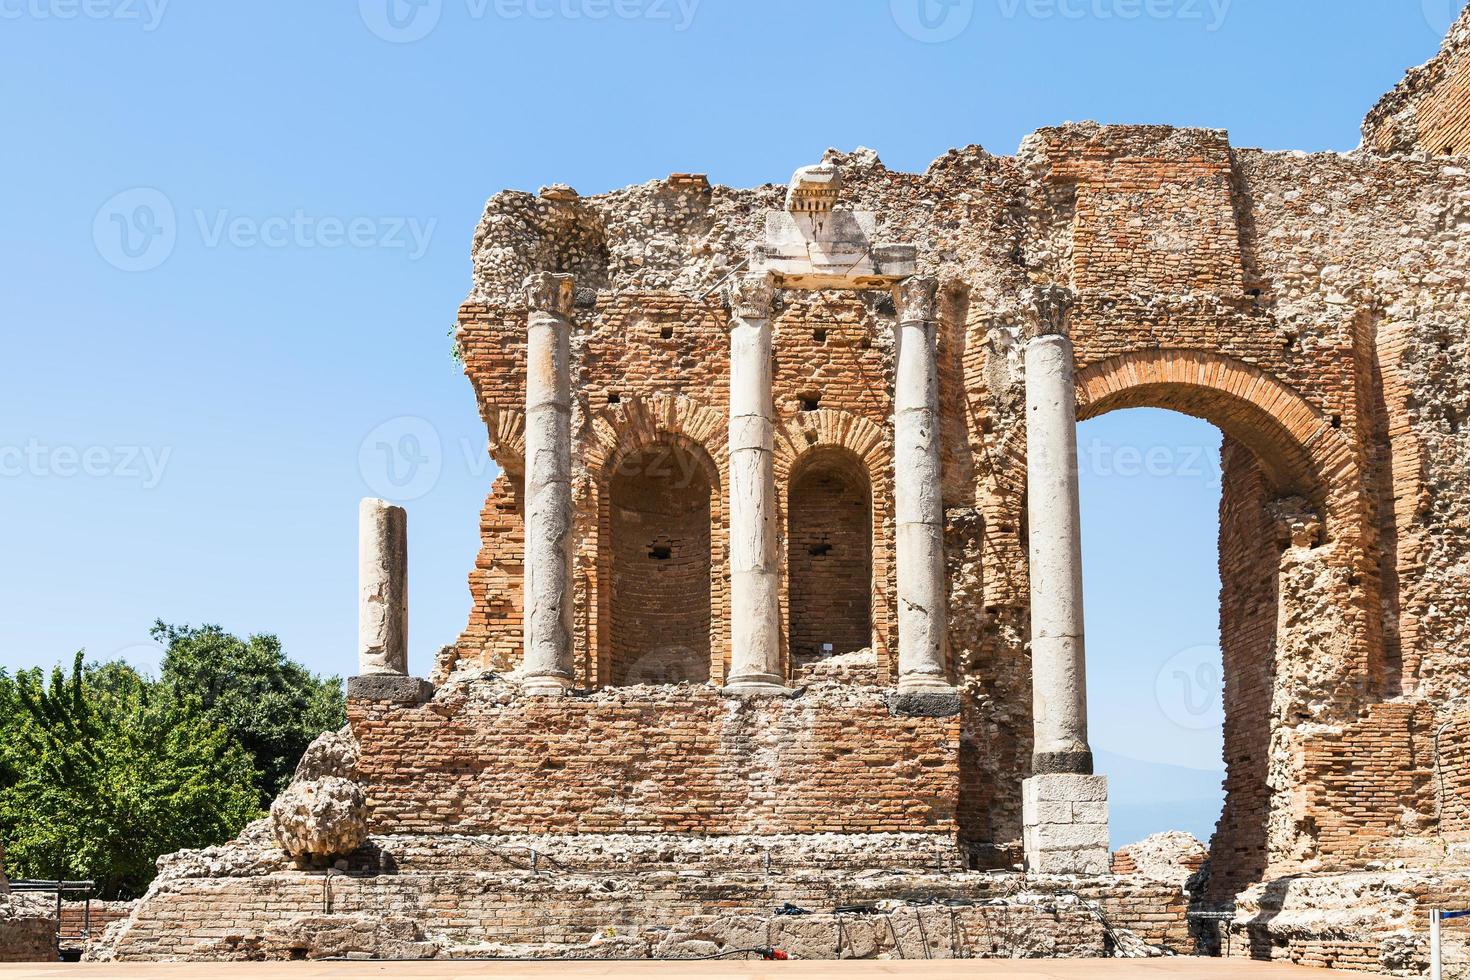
pixel 493 636
pixel 661 568
pixel 1369 782
pixel 675 760
pixel 830 557
pixel 1249 557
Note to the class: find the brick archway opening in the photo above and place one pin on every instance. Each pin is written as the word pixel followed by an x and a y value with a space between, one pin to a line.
pixel 1279 453
pixel 659 522
pixel 830 557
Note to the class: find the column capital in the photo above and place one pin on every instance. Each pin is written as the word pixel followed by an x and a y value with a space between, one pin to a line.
pixel 751 295
pixel 917 299
pixel 1047 311
pixel 550 292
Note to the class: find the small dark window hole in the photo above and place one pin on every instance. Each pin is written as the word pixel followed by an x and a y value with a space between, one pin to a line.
pixel 614 398
pixel 810 403
pixel 667 333
pixel 819 335
pixel 819 550
pixel 1337 421
pixel 661 552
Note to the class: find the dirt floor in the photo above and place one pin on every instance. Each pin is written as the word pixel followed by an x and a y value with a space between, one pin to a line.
pixel 1196 969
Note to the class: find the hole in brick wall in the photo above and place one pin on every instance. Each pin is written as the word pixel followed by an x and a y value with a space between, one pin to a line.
pixel 1253 293
pixel 661 552
pixel 819 335
pixel 614 398
pixel 667 333
pixel 811 402
pixel 819 550
pixel 1449 151
pixel 865 344
pixel 1337 421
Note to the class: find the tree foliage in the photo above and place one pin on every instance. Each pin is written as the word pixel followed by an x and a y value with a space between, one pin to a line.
pixel 270 704
pixel 103 771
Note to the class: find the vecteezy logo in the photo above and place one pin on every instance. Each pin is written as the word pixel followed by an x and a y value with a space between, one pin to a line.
pixel 1440 15
pixel 1190 689
pixel 401 459
pixel 401 21
pixel 146 658
pixel 136 230
pixel 933 21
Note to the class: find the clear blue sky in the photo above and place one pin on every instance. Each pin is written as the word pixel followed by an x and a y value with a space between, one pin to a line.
pixel 189 441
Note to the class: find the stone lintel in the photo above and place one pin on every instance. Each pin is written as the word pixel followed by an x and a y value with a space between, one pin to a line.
pixel 831 250
pixel 393 688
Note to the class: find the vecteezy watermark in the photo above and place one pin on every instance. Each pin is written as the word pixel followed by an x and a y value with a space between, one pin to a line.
pixel 406 21
pixel 138 229
pixel 1211 14
pixel 1109 460
pixel 145 464
pixel 146 658
pixel 148 13
pixel 1190 688
pixel 302 230
pixel 932 21
pixel 401 459
pixel 1441 15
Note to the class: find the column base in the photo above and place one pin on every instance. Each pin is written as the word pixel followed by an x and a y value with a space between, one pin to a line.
pixel 756 686
pixel 923 684
pixel 547 687
pixel 1065 818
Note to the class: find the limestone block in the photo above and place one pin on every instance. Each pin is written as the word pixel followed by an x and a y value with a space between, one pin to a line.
pixel 1065 820
pixel 321 819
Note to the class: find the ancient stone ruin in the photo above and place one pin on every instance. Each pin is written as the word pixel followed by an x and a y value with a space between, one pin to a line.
pixel 778 608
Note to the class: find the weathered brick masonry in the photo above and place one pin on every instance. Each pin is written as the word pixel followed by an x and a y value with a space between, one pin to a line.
pixel 678 760
pixel 1312 306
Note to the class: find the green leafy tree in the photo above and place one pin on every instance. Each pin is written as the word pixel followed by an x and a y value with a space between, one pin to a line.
pixel 271 705
pixel 104 771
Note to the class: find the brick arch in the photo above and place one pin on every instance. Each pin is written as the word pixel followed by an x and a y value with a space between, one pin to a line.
pixel 1300 451
pixel 613 434
pixel 869 447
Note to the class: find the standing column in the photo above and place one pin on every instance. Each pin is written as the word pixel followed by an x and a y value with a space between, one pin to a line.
pixel 755 603
pixel 1065 805
pixel 923 594
pixel 382 589
pixel 546 667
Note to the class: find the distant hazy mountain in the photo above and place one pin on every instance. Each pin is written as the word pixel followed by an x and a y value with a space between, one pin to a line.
pixel 1149 797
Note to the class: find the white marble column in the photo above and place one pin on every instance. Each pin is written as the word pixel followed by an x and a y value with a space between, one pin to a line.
pixel 1058 654
pixel 1065 808
pixel 923 593
pixel 755 602
pixel 382 589
pixel 546 667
